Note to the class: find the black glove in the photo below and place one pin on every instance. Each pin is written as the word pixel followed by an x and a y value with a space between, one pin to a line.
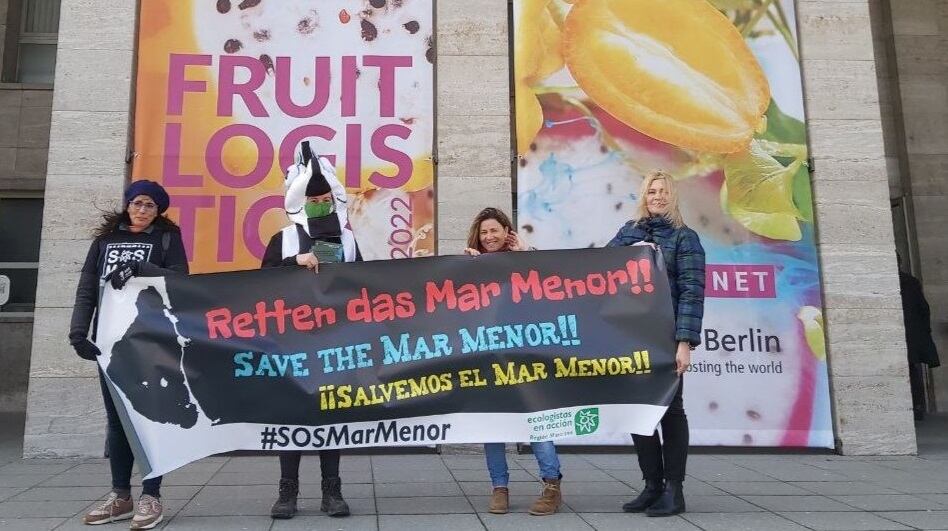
pixel 86 349
pixel 124 271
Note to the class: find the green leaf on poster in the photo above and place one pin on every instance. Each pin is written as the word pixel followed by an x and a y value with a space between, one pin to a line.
pixel 758 193
pixel 783 128
pixel 803 193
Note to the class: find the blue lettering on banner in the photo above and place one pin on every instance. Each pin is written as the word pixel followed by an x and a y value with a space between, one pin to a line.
pixel 249 364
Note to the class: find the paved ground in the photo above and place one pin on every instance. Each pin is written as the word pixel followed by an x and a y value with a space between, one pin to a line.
pixel 422 492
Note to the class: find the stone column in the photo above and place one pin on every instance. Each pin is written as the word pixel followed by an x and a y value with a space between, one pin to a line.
pixel 89 139
pixel 865 337
pixel 473 115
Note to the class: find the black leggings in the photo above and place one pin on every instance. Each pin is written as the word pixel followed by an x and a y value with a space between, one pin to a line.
pixel 666 460
pixel 121 458
pixel 290 464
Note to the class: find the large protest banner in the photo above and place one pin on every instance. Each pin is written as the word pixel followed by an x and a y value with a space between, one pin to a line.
pixel 710 91
pixel 227 89
pixel 506 347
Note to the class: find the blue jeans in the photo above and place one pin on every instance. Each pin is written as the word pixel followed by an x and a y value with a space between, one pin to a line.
pixel 545 453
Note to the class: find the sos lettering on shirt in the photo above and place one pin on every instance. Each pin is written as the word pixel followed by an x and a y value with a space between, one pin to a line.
pixel 116 253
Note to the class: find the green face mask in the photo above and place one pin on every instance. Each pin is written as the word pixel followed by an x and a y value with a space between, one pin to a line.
pixel 318 210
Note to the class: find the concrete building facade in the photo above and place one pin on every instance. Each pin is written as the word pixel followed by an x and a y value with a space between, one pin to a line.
pixel 874 81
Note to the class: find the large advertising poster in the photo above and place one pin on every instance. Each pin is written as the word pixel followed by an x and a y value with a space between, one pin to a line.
pixel 226 90
pixel 710 91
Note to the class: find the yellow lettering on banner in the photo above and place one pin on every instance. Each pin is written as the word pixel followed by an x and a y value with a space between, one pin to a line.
pixel 614 366
pixel 518 373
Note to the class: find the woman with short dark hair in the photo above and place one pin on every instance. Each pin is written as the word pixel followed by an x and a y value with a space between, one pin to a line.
pixel 138 240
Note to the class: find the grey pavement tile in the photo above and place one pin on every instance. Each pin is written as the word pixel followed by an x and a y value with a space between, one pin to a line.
pixel 843 521
pixel 741 522
pixel 889 502
pixel 638 522
pixel 245 478
pixel 794 471
pixel 26 509
pixel 842 488
pixel 69 479
pixel 520 503
pixel 917 486
pixel 798 503
pixel 22 480
pixel 919 519
pixel 526 522
pixel 941 499
pixel 604 488
pixel 718 504
pixel 30 524
pixel 482 475
pixel 713 475
pixel 584 503
pixel 762 488
pixel 32 467
pixel 404 490
pixel 409 462
pixel 62 494
pixel 179 492
pixel 433 522
pixel 590 474
pixel 325 523
pixel 613 461
pixel 189 476
pixel 466 462
pixel 407 475
pixel 227 507
pixel 693 487
pixel 243 492
pixel 424 505
pixel 229 523
pixel 10 492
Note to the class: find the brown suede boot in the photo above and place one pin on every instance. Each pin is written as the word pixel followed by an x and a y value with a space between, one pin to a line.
pixel 499 501
pixel 550 499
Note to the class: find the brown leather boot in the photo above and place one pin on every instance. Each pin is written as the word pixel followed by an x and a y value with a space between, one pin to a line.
pixel 499 501
pixel 550 499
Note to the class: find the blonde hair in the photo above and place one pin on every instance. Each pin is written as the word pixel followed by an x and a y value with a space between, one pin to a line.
pixel 673 215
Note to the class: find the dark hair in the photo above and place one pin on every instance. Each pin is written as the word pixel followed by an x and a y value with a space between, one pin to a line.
pixel 112 219
pixel 473 235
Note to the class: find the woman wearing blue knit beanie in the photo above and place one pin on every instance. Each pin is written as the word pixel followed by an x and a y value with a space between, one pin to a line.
pixel 136 240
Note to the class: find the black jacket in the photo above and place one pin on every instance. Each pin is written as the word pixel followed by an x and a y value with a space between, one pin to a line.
pixel 160 251
pixel 917 316
pixel 273 256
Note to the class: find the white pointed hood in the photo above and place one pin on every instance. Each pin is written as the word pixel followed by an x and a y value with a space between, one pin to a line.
pixel 297 179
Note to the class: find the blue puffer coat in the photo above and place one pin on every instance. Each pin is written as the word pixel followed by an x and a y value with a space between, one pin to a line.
pixel 684 258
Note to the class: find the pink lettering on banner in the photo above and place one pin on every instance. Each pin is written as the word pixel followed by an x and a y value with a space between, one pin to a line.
pixel 751 281
pixel 177 85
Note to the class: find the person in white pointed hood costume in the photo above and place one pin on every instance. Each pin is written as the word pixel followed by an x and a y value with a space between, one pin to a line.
pixel 316 204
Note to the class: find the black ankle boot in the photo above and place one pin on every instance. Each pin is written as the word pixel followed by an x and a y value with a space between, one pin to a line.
pixel 672 501
pixel 285 506
pixel 648 496
pixel 333 504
